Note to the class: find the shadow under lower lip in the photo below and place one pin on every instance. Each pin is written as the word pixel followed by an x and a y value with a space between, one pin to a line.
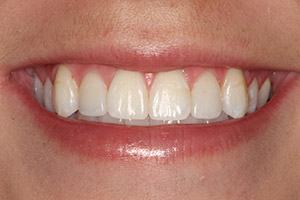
pixel 165 143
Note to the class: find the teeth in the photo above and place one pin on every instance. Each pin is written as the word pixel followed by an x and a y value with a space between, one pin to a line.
pixel 65 93
pixel 38 89
pixel 48 95
pixel 253 95
pixel 206 97
pixel 92 96
pixel 264 93
pixel 128 96
pixel 170 100
pixel 170 97
pixel 234 92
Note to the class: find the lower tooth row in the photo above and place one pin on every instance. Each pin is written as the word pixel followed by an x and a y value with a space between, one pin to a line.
pixel 169 101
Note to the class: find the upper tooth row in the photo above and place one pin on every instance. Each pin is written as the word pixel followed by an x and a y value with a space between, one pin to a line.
pixel 169 98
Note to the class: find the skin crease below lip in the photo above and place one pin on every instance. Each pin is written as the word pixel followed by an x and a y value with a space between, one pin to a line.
pixel 60 173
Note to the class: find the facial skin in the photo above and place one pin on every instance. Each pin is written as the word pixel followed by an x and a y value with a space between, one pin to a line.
pixel 257 34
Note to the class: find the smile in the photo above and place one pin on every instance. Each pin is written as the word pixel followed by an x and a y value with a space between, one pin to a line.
pixel 187 96
pixel 111 113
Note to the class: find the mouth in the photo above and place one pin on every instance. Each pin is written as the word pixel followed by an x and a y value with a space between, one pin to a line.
pixel 105 112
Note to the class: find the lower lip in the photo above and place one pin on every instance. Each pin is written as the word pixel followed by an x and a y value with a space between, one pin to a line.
pixel 169 142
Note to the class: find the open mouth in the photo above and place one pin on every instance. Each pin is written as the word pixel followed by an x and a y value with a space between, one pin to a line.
pixel 110 113
pixel 192 95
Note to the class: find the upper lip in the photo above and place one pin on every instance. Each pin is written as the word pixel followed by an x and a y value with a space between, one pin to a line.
pixel 136 42
pixel 145 58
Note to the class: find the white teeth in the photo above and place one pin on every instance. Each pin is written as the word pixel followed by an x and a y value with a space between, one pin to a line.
pixel 92 95
pixel 170 100
pixel 48 95
pixel 128 96
pixel 65 93
pixel 234 92
pixel 253 95
pixel 206 97
pixel 264 93
pixel 170 97
pixel 38 89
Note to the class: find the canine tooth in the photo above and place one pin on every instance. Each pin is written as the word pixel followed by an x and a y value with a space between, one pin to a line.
pixel 92 96
pixel 38 89
pixel 234 92
pixel 65 93
pixel 170 97
pixel 111 120
pixel 206 97
pixel 264 93
pixel 253 95
pixel 128 96
pixel 48 95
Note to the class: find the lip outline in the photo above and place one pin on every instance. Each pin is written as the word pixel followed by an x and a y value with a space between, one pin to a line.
pixel 168 58
pixel 121 142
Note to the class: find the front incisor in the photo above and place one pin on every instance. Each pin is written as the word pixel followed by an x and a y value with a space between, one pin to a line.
pixel 128 96
pixel 170 97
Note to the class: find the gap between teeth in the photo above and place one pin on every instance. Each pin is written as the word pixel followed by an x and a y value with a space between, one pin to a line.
pixel 170 100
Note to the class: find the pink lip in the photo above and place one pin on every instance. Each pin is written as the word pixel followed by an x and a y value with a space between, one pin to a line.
pixel 140 59
pixel 170 142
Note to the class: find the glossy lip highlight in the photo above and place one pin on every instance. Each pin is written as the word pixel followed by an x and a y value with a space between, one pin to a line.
pixel 166 143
